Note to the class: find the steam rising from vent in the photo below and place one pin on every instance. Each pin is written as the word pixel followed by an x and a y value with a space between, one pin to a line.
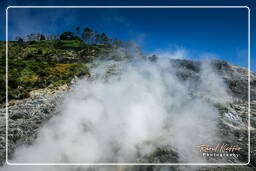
pixel 126 112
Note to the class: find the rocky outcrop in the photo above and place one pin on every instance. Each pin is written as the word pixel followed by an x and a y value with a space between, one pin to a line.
pixel 235 77
pixel 26 116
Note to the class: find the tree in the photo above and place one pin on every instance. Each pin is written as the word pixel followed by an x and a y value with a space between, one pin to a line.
pixel 41 37
pixel 105 39
pixel 87 34
pixel 78 31
pixel 19 39
pixel 69 36
pixel 97 38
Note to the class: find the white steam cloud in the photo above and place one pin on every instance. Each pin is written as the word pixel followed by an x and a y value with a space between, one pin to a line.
pixel 178 53
pixel 122 118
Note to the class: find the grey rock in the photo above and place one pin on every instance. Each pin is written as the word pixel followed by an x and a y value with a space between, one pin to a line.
pixel 25 118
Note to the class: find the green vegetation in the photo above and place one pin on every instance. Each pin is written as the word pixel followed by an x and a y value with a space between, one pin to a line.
pixel 33 65
pixel 88 36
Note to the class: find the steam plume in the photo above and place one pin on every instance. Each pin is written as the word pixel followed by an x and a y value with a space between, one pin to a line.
pixel 127 111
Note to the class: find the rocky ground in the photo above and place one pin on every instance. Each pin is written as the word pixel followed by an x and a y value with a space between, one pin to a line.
pixel 27 115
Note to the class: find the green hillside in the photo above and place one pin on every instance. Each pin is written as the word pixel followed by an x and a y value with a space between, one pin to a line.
pixel 33 65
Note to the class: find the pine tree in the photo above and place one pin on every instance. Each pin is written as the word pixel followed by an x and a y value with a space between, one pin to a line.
pixel 78 31
pixel 105 39
pixel 87 34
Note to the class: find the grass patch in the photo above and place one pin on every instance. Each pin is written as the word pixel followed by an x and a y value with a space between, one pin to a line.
pixel 34 65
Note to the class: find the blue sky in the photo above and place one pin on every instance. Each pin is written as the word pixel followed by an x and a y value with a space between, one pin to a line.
pixel 196 33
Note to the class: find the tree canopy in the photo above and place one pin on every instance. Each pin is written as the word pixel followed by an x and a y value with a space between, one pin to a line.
pixel 86 35
pixel 69 36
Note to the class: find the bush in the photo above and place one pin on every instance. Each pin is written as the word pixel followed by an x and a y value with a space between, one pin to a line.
pixel 69 36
